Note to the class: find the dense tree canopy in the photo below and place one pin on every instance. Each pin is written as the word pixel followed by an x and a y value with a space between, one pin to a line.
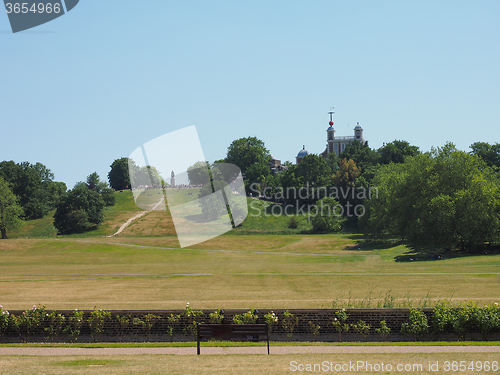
pixel 10 211
pixel 489 153
pixel 80 210
pixel 396 152
pixel 252 156
pixel 444 199
pixel 118 176
pixel 34 185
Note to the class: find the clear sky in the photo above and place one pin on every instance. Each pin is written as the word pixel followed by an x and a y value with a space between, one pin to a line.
pixel 109 76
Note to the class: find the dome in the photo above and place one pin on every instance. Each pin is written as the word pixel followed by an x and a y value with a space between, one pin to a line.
pixel 358 127
pixel 302 152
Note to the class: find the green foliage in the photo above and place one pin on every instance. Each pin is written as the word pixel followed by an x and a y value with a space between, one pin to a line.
pixel 192 318
pixel 339 322
pixel 10 211
pixel 199 173
pixel 489 153
pixel 361 153
pixel 118 176
pixel 416 325
pixel 252 156
pixel 29 321
pixel 384 330
pixel 171 319
pixel 463 319
pixel 288 322
pixel 396 152
pixel 271 319
pixel 56 324
pixel 4 321
pixel 80 210
pixel 442 317
pixel 362 328
pixel 33 184
pixel 446 199
pixel 123 323
pixel 250 317
pixel 75 322
pixel 328 216
pixel 148 322
pixel 314 328
pixel 293 223
pixel 487 319
pixel 96 322
pixel 217 317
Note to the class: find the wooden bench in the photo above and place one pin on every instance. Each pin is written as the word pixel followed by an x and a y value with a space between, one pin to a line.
pixel 250 332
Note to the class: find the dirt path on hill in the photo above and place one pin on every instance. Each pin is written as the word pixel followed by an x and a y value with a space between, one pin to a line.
pixel 139 215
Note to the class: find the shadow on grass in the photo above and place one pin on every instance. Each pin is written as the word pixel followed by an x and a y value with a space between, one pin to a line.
pixel 436 255
pixel 364 244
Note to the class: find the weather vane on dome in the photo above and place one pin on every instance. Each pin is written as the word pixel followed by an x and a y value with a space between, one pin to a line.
pixel 331 115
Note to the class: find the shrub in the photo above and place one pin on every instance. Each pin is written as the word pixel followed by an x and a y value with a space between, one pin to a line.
pixel 192 318
pixel 383 331
pixel 123 322
pixel 339 322
pixel 96 323
pixel 314 328
pixel 288 323
pixel 463 319
pixel 75 324
pixel 488 320
pixel 271 319
pixel 171 319
pixel 217 317
pixel 148 323
pixel 250 317
pixel 4 321
pixel 293 223
pixel 416 325
pixel 56 324
pixel 29 321
pixel 442 317
pixel 362 328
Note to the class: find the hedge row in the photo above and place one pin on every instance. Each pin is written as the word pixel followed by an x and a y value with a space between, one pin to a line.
pixel 40 324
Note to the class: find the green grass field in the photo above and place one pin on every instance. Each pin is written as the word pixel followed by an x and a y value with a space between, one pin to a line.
pixel 144 268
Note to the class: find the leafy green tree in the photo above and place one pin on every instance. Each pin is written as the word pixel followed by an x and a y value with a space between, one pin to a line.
pixel 445 199
pixel 361 153
pixel 252 156
pixel 33 184
pixel 101 187
pixel 80 210
pixel 199 173
pixel 10 211
pixel 328 216
pixel 489 153
pixel 396 151
pixel 118 176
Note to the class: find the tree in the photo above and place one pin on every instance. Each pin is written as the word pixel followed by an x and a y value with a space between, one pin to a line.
pixel 445 199
pixel 80 210
pixel 396 151
pixel 361 153
pixel 101 187
pixel 313 172
pixel 199 173
pixel 34 185
pixel 251 156
pixel 118 176
pixel 10 211
pixel 328 216
pixel 489 153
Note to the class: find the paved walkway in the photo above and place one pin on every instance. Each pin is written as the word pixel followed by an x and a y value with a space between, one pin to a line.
pixel 247 350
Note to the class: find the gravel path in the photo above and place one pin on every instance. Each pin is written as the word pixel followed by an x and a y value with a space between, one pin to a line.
pixel 247 350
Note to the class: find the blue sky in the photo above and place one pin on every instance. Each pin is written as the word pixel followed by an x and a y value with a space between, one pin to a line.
pixel 109 76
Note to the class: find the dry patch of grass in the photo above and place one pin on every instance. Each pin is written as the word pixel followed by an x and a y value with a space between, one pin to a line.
pixel 234 364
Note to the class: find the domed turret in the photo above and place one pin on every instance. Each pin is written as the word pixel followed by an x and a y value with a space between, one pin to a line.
pixel 302 154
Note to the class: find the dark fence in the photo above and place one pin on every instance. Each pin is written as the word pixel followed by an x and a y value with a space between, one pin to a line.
pixel 135 331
